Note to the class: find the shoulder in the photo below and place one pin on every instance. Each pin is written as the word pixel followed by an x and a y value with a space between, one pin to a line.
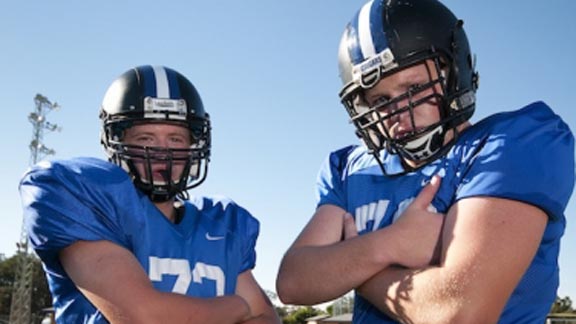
pixel 77 189
pixel 213 202
pixel 89 181
pixel 77 199
pixel 348 154
pixel 348 160
pixel 218 208
pixel 75 171
pixel 338 170
pixel 517 135
pixel 527 131
pixel 528 122
pixel 526 155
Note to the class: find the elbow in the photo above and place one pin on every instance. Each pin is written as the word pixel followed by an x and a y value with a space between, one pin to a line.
pixel 286 288
pixel 464 315
pixel 291 290
pixel 286 283
pixel 292 293
pixel 474 316
pixel 443 311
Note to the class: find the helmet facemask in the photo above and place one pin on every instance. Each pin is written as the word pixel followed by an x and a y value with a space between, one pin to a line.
pixel 376 126
pixel 142 162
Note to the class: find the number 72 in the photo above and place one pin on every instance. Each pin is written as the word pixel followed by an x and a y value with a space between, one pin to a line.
pixel 181 269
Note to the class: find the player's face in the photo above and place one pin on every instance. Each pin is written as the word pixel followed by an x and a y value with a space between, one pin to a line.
pixel 406 88
pixel 158 138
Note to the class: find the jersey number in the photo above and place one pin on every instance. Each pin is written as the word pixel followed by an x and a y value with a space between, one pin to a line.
pixel 184 276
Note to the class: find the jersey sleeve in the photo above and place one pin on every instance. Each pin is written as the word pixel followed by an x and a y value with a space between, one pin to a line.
pixel 251 229
pixel 63 204
pixel 529 158
pixel 329 182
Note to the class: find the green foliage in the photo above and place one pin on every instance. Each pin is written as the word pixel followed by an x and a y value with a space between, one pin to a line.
pixel 297 315
pixel 40 294
pixel 562 305
pixel 7 272
pixel 281 311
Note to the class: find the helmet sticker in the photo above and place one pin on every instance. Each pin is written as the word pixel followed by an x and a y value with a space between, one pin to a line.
pixel 169 109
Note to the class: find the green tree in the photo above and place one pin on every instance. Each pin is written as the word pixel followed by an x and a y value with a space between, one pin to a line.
pixel 282 311
pixel 299 315
pixel 7 272
pixel 40 294
pixel 562 305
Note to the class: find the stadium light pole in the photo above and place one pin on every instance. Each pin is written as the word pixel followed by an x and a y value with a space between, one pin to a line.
pixel 20 308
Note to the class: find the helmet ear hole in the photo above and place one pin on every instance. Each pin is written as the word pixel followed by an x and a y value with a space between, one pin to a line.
pixel 156 94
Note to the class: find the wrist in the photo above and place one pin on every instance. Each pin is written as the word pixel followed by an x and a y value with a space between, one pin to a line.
pixel 386 252
pixel 241 307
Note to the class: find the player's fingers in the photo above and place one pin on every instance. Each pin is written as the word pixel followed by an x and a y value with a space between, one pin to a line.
pixel 427 193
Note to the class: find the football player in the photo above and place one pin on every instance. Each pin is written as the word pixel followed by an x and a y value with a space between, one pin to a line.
pixel 432 219
pixel 121 241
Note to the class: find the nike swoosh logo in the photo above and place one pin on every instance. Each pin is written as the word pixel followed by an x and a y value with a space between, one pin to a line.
pixel 213 238
pixel 424 182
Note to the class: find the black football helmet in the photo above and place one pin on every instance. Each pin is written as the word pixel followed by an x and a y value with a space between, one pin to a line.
pixel 386 36
pixel 156 94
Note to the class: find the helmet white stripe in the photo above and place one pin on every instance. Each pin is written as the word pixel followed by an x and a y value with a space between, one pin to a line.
pixel 364 34
pixel 162 86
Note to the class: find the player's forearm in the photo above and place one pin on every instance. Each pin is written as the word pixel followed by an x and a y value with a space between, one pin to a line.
pixel 174 308
pixel 429 295
pixel 314 274
pixel 309 276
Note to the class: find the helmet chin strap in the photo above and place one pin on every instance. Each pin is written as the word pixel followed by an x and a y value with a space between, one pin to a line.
pixel 424 146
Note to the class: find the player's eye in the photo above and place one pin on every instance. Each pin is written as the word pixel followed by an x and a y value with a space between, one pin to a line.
pixel 380 101
pixel 144 139
pixel 415 88
pixel 382 105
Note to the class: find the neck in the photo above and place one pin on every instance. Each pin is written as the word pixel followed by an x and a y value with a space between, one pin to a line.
pixel 167 209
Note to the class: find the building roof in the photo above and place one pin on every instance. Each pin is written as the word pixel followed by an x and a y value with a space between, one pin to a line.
pixel 317 317
pixel 340 318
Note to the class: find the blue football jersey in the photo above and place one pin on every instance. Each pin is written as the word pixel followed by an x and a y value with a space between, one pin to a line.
pixel 525 155
pixel 90 199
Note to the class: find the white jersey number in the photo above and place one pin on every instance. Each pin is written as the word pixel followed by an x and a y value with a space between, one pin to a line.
pixel 184 275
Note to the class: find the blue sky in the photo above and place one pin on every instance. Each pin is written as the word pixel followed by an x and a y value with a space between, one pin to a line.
pixel 267 73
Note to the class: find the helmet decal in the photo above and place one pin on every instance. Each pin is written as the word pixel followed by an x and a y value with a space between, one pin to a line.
pixel 160 82
pixel 363 43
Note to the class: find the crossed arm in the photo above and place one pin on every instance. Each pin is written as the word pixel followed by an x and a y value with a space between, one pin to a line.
pixel 486 244
pixel 113 280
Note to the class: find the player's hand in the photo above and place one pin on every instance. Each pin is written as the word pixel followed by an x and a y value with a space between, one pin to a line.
pixel 417 230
